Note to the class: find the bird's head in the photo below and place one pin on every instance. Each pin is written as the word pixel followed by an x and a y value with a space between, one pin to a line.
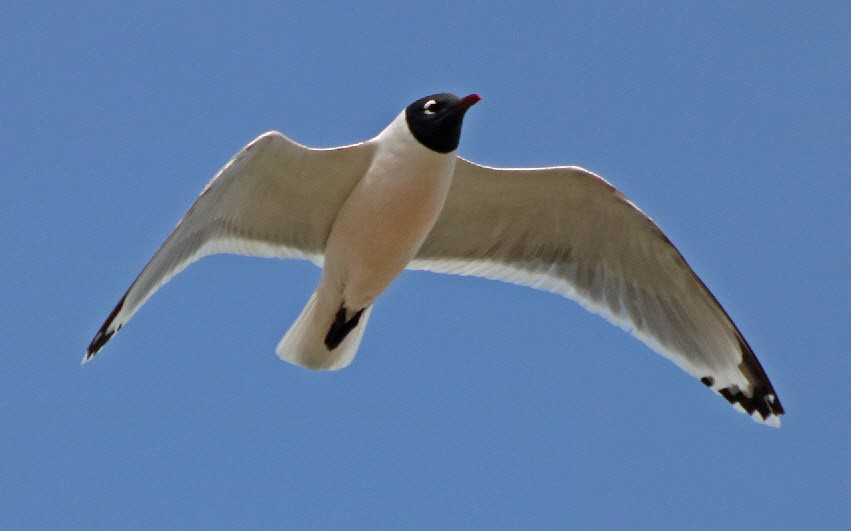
pixel 435 121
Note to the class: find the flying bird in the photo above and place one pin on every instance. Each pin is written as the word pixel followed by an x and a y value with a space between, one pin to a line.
pixel 404 199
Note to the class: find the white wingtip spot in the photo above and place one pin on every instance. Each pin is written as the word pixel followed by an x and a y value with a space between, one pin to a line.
pixel 772 420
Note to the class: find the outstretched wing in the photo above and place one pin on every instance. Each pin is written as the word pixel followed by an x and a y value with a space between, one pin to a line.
pixel 275 198
pixel 568 231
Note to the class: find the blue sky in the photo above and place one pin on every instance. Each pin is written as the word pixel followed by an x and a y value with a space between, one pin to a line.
pixel 471 404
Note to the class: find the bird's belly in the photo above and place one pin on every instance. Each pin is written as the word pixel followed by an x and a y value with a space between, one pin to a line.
pixel 378 232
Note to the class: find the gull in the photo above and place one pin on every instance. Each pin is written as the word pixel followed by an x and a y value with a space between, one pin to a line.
pixel 404 200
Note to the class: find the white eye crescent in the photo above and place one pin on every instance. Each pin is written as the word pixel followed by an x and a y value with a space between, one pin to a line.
pixel 428 106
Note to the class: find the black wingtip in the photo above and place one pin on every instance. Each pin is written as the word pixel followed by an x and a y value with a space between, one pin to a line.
pixel 763 400
pixel 98 342
pixel 104 334
pixel 765 404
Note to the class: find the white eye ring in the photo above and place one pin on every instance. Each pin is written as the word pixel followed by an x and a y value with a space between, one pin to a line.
pixel 427 107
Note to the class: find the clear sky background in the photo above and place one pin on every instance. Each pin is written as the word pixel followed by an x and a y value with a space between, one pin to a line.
pixel 471 404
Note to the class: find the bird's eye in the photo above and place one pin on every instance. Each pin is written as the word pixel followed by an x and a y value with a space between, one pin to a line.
pixel 430 107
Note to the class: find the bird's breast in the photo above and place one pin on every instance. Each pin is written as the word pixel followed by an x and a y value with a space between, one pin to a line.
pixel 385 220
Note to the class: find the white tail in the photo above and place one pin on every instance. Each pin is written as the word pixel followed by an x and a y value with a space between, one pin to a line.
pixel 304 342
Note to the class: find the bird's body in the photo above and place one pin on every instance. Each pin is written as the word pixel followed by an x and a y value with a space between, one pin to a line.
pixel 403 199
pixel 388 215
pixel 377 232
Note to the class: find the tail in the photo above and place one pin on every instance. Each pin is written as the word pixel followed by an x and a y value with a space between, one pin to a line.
pixel 307 342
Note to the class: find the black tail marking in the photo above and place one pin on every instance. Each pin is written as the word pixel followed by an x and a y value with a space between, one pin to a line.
pixel 340 328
